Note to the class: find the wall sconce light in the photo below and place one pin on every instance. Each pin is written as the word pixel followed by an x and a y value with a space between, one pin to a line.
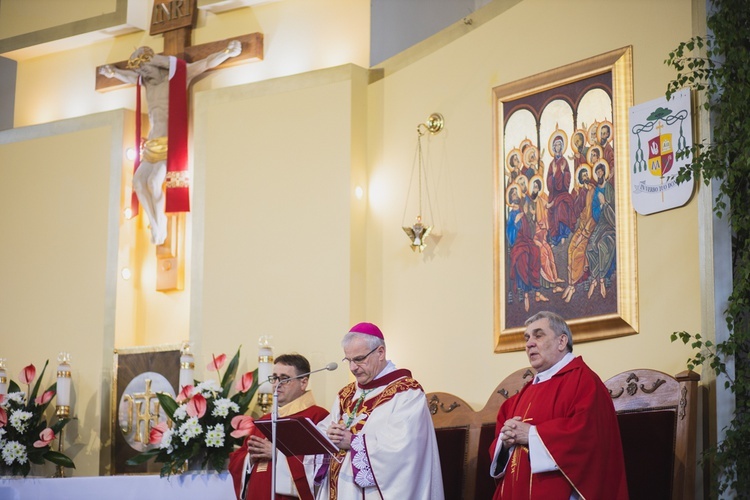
pixel 419 231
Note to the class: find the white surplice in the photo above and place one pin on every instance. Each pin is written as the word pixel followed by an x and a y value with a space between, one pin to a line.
pixel 395 455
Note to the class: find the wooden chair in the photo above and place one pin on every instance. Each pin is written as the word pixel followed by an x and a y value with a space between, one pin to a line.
pixel 464 437
pixel 456 432
pixel 657 415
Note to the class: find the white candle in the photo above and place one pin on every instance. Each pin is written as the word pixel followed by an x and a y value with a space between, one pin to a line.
pixel 63 380
pixel 265 364
pixel 3 377
pixel 187 366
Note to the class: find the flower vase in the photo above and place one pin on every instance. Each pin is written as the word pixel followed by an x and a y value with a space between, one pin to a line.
pixel 6 472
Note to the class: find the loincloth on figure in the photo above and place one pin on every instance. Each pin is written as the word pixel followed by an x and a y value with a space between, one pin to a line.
pixel 155 150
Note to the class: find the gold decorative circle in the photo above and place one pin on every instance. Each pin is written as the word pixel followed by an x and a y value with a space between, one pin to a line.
pixel 508 167
pixel 580 133
pixel 592 132
pixel 602 125
pixel 583 166
pixel 594 151
pixel 527 156
pixel 558 135
pixel 536 178
pixel 604 164
pixel 508 190
pixel 435 123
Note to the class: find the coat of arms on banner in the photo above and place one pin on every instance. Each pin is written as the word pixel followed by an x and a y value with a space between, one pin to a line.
pixel 659 131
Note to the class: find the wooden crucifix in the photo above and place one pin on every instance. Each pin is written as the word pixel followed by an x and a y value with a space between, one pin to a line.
pixel 160 180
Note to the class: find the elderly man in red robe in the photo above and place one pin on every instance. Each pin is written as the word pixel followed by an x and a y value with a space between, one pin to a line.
pixel 250 464
pixel 558 438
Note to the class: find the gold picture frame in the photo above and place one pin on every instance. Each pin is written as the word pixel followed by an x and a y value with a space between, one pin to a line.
pixel 139 373
pixel 548 252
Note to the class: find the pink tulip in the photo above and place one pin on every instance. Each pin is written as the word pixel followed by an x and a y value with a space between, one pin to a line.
pixel 217 363
pixel 243 426
pixel 196 407
pixel 3 418
pixel 245 383
pixel 27 375
pixel 185 393
pixel 157 433
pixel 45 438
pixel 44 398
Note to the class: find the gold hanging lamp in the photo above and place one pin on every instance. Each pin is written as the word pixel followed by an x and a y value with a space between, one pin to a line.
pixel 420 230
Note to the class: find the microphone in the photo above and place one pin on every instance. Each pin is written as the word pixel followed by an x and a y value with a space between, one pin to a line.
pixel 330 367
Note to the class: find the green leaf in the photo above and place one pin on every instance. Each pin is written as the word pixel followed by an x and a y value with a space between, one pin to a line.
pixel 57 426
pixel 144 456
pixel 229 375
pixel 34 392
pixel 168 403
pixel 58 458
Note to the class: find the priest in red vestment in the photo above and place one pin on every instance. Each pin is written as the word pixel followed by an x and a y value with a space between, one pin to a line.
pixel 250 464
pixel 558 438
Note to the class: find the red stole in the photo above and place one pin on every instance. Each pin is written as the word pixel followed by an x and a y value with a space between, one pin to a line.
pixel 259 483
pixel 133 197
pixel 178 193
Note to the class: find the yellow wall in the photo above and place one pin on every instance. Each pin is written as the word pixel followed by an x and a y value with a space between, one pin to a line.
pixel 280 244
pixel 436 308
pixel 272 219
pixel 19 17
pixel 58 260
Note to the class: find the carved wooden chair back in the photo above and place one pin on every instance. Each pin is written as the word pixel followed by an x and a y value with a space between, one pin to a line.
pixel 464 437
pixel 455 429
pixel 657 415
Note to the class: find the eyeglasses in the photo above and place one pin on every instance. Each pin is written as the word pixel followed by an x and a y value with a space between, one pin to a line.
pixel 276 379
pixel 359 360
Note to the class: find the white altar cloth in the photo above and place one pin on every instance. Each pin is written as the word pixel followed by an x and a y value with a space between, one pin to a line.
pixel 195 486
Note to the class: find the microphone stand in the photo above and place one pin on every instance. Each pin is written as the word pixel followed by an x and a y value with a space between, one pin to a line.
pixel 275 418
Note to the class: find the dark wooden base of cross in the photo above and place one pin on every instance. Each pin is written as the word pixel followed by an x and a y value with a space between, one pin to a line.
pixel 170 255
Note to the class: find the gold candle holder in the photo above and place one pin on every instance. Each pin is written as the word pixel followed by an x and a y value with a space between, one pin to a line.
pixel 264 402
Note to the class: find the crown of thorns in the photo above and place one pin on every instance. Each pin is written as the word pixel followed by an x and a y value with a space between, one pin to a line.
pixel 141 56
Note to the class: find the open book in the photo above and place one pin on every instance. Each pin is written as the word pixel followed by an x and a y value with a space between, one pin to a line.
pixel 298 436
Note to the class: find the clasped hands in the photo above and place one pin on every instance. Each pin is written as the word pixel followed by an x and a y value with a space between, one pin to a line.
pixel 515 431
pixel 340 435
pixel 259 448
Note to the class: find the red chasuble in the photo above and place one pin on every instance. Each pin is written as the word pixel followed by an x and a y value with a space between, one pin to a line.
pixel 259 484
pixel 575 418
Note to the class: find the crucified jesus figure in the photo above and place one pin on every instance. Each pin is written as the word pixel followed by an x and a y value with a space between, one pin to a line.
pixel 154 73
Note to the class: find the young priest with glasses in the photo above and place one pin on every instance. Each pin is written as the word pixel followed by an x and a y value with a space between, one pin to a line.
pixel 250 465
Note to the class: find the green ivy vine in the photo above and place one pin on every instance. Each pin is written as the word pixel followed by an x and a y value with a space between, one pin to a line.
pixel 718 68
